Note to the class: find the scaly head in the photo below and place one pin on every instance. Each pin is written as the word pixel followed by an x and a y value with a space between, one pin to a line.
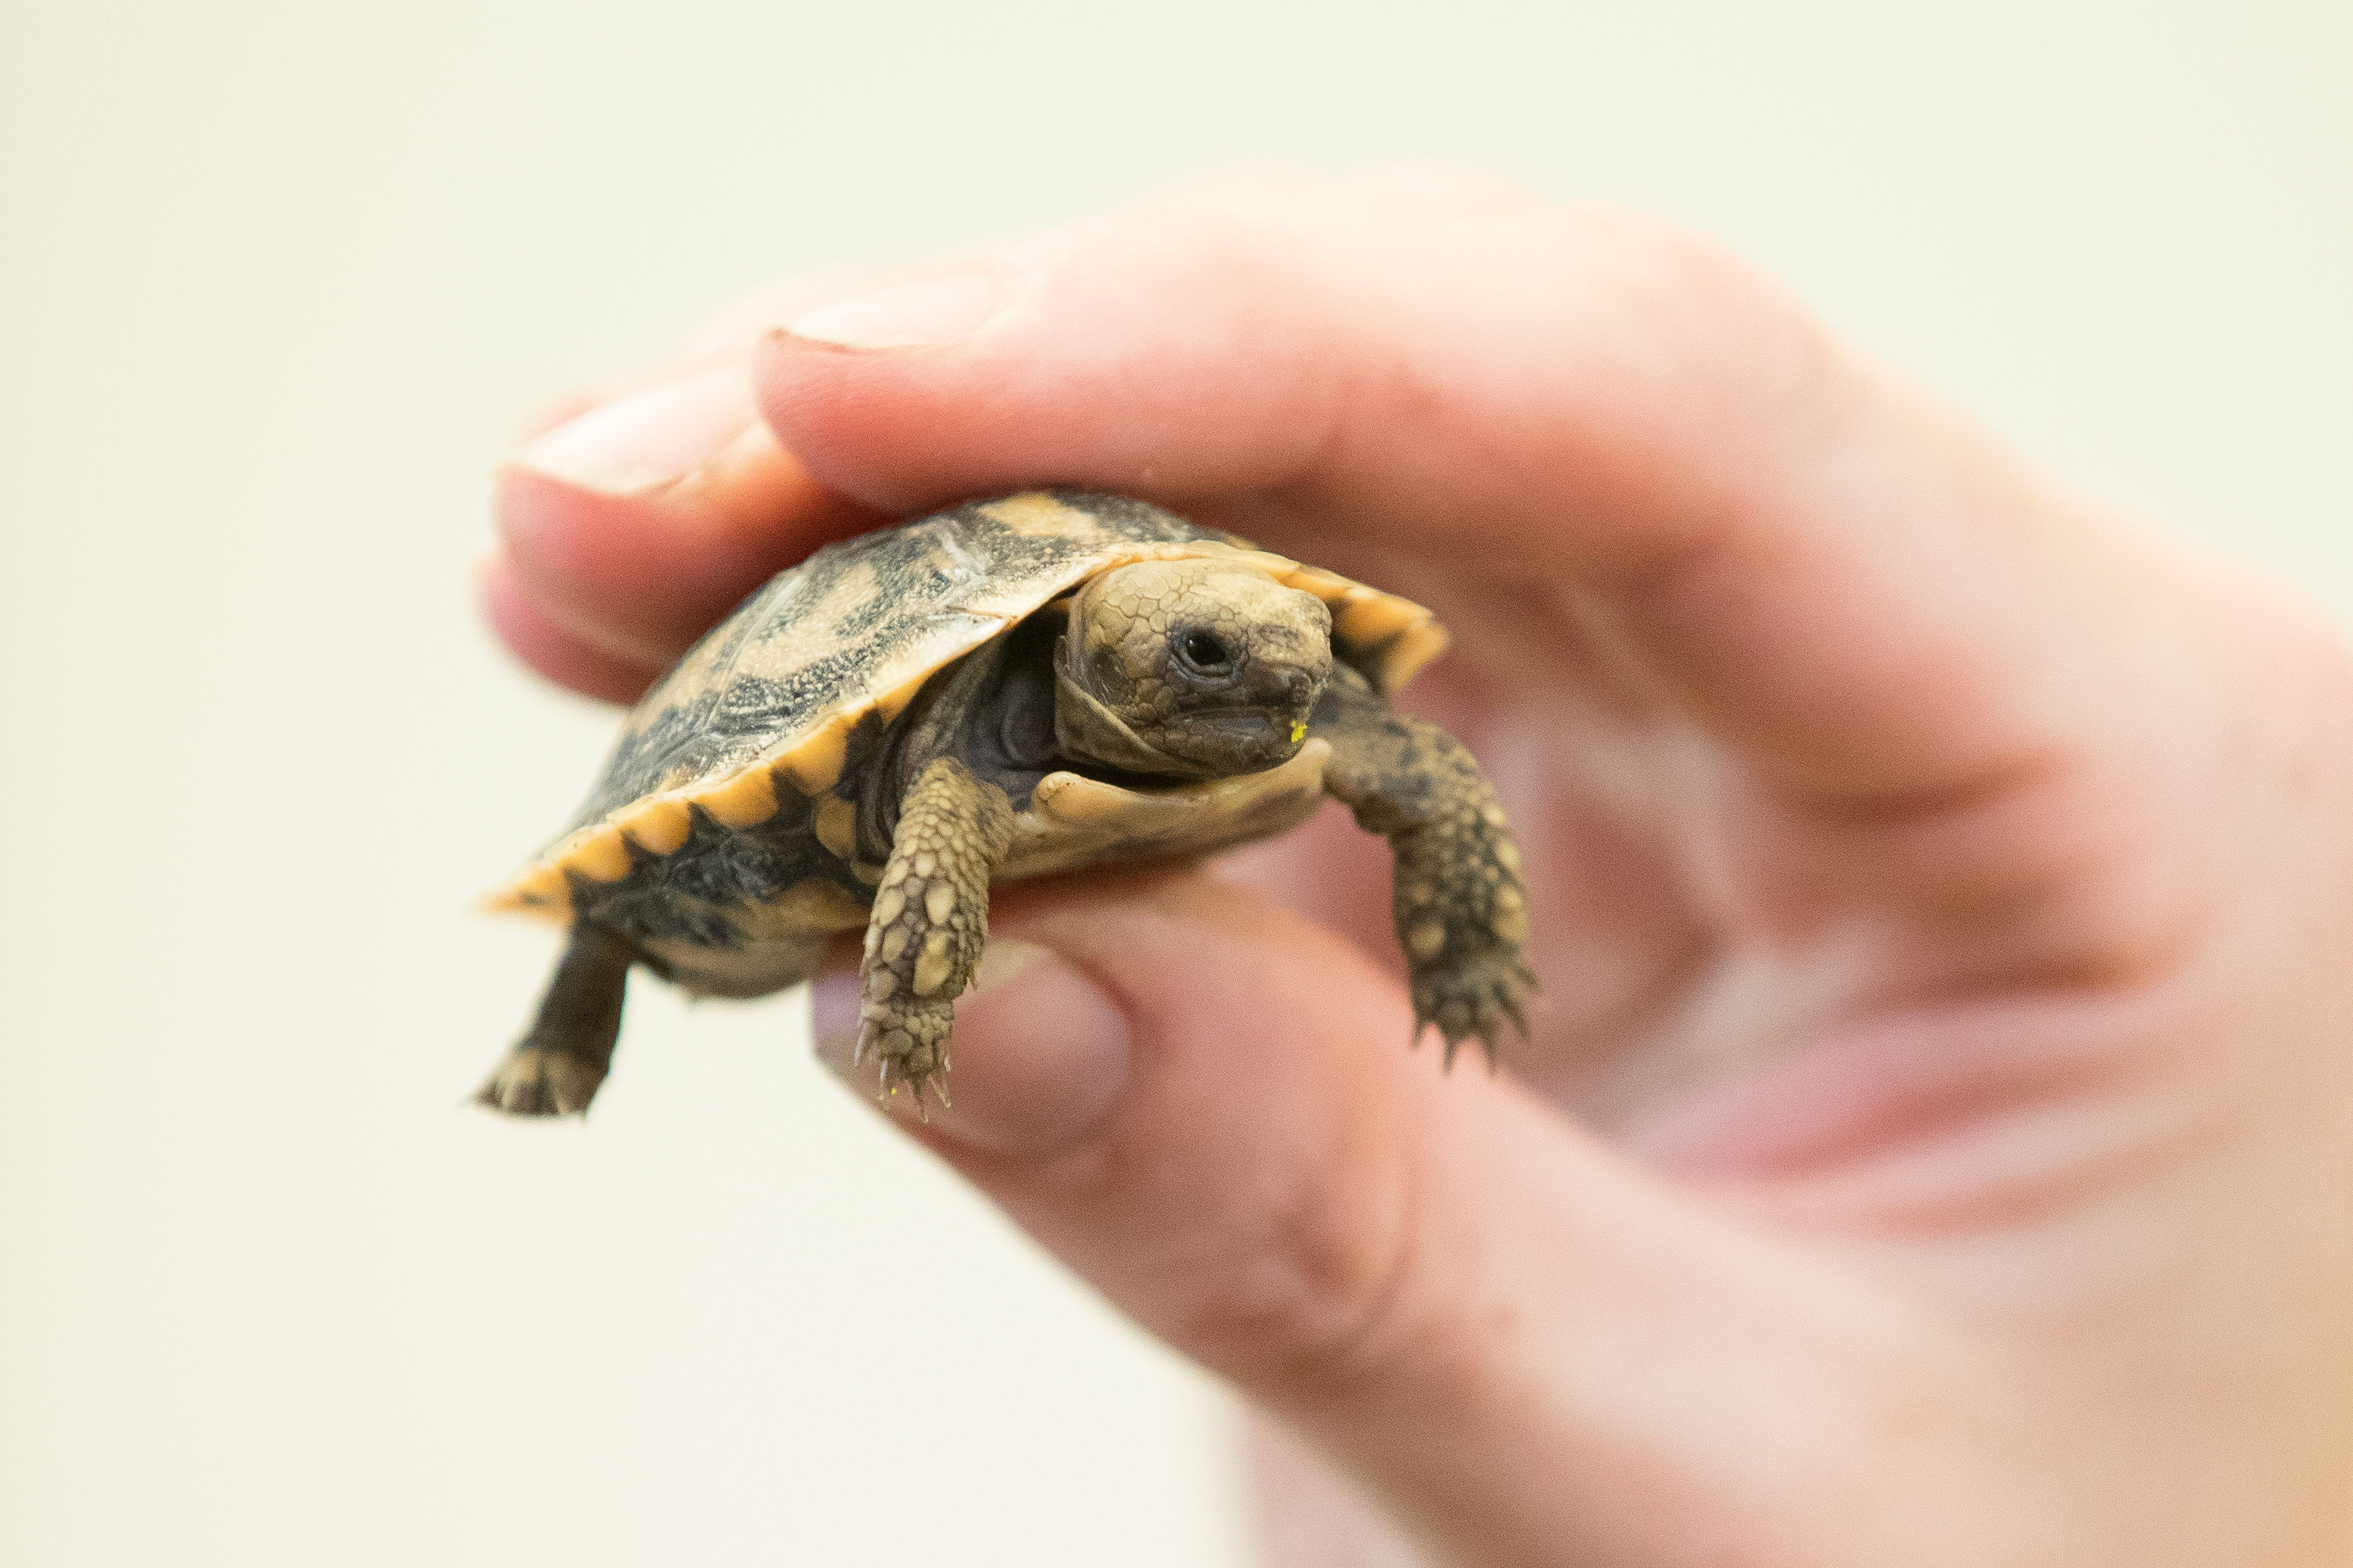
pixel 1191 668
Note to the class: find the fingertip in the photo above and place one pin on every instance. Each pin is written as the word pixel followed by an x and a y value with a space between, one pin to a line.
pixel 640 575
pixel 878 427
pixel 587 562
pixel 552 413
pixel 918 313
pixel 653 437
pixel 547 648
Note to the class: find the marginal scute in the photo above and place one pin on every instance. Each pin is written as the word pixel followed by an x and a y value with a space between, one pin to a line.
pixel 600 854
pixel 835 824
pixel 815 765
pixel 1407 653
pixel 658 826
pixel 1368 618
pixel 1395 636
pixel 889 705
pixel 538 890
pixel 929 643
pixel 746 800
pixel 1328 586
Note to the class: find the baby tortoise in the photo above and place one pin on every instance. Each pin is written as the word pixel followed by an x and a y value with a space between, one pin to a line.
pixel 1015 687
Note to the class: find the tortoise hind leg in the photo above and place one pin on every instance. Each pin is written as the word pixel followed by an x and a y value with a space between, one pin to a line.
pixel 554 1069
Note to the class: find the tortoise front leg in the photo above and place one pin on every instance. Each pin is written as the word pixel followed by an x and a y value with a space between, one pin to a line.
pixel 554 1069
pixel 1461 915
pixel 929 923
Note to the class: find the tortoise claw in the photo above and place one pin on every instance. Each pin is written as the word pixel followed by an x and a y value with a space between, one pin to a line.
pixel 917 1064
pixel 1514 1009
pixel 1471 1000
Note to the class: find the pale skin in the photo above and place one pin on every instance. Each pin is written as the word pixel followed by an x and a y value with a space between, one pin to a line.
pixel 1934 1143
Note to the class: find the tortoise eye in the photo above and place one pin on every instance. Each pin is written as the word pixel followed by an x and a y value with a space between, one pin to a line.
pixel 1205 653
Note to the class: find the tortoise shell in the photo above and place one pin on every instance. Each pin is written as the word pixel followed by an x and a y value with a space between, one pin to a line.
pixel 763 713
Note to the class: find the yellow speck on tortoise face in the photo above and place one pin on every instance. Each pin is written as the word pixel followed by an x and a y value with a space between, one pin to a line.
pixel 1298 732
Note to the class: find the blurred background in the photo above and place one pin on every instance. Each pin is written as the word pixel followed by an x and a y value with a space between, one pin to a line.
pixel 278 279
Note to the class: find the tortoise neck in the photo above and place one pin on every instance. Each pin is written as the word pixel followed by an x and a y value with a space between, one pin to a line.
pixel 993 711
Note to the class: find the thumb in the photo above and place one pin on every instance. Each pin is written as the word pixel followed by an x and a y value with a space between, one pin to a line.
pixel 1526 1348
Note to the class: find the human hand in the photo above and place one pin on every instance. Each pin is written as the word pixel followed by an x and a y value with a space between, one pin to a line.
pixel 1933 1141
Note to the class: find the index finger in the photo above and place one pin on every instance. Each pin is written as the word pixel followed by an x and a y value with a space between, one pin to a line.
pixel 1654 458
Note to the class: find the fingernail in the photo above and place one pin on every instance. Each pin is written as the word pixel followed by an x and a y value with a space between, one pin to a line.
pixel 649 439
pixel 1040 1056
pixel 910 315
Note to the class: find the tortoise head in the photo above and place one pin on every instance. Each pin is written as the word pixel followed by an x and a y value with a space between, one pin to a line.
pixel 1195 668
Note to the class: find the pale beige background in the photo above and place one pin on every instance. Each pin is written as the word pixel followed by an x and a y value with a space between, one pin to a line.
pixel 274 280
